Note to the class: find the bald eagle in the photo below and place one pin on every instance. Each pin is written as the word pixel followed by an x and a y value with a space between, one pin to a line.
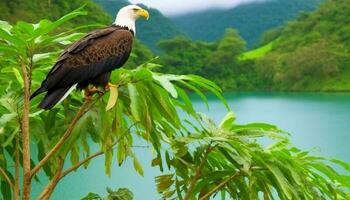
pixel 91 59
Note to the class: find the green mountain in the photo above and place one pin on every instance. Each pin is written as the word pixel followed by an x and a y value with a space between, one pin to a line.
pixel 311 53
pixel 251 20
pixel 150 32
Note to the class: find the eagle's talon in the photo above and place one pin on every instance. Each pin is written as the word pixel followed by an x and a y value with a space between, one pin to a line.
pixel 109 85
pixel 90 92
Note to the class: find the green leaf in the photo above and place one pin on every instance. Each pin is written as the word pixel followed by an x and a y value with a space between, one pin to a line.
pixel 92 196
pixel 120 154
pixel 135 102
pixel 282 181
pixel 5 118
pixel 108 162
pixel 197 91
pixel 18 76
pixel 25 27
pixel 166 84
pixel 138 167
pixel 45 26
pixel 11 39
pixel 228 120
pixel 9 140
pixel 5 26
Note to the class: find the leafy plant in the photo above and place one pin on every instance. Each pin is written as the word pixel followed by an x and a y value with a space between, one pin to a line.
pixel 120 194
pixel 143 104
pixel 253 161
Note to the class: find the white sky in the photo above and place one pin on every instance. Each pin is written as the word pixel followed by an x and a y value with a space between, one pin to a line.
pixel 176 7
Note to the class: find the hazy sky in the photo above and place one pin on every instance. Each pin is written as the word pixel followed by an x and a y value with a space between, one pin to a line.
pixel 175 7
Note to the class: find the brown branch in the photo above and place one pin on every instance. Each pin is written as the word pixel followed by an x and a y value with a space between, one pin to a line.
pixel 25 135
pixel 198 172
pixel 6 177
pixel 47 192
pixel 221 185
pixel 79 164
pixel 83 109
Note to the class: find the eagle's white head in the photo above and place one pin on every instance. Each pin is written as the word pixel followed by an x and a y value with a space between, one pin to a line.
pixel 127 16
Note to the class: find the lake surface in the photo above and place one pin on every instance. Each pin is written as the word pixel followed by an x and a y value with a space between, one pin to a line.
pixel 318 122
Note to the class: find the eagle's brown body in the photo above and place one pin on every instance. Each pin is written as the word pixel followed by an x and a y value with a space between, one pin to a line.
pixel 87 61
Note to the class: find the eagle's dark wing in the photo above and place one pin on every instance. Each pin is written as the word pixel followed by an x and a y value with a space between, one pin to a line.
pixel 98 53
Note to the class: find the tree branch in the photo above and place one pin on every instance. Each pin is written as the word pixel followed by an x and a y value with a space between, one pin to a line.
pixel 25 135
pixel 198 172
pixel 79 164
pixel 221 185
pixel 7 179
pixel 47 192
pixel 83 109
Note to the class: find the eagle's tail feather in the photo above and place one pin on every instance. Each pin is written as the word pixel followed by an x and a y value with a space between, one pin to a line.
pixel 37 92
pixel 53 97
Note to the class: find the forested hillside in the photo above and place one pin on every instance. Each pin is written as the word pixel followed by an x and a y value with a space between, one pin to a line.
pixel 251 20
pixel 311 53
pixel 158 27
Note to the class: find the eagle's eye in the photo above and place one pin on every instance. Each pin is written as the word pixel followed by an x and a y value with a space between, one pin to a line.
pixel 135 9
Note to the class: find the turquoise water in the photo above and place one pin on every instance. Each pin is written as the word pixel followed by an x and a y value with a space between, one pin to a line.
pixel 318 122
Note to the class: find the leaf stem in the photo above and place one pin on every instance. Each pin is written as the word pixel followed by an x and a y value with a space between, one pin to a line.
pixel 221 185
pixel 198 172
pixel 6 177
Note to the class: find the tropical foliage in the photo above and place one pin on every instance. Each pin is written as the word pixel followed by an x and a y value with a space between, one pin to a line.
pixel 120 194
pixel 252 161
pixel 142 104
pixel 204 159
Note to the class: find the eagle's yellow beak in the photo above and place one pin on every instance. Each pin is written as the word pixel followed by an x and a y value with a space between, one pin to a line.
pixel 143 13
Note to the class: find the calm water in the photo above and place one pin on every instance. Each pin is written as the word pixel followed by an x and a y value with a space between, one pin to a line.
pixel 315 120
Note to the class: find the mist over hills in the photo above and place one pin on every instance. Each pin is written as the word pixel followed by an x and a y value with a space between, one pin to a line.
pixel 251 20
pixel 157 28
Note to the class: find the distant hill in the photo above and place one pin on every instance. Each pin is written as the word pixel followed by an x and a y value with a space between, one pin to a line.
pixel 310 53
pixel 150 32
pixel 250 19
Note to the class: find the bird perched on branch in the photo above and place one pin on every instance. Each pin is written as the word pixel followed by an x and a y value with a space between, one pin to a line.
pixel 91 59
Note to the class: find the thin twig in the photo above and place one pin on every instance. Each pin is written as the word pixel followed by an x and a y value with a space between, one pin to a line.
pixel 7 179
pixel 221 185
pixel 83 109
pixel 46 193
pixel 79 164
pixel 198 172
